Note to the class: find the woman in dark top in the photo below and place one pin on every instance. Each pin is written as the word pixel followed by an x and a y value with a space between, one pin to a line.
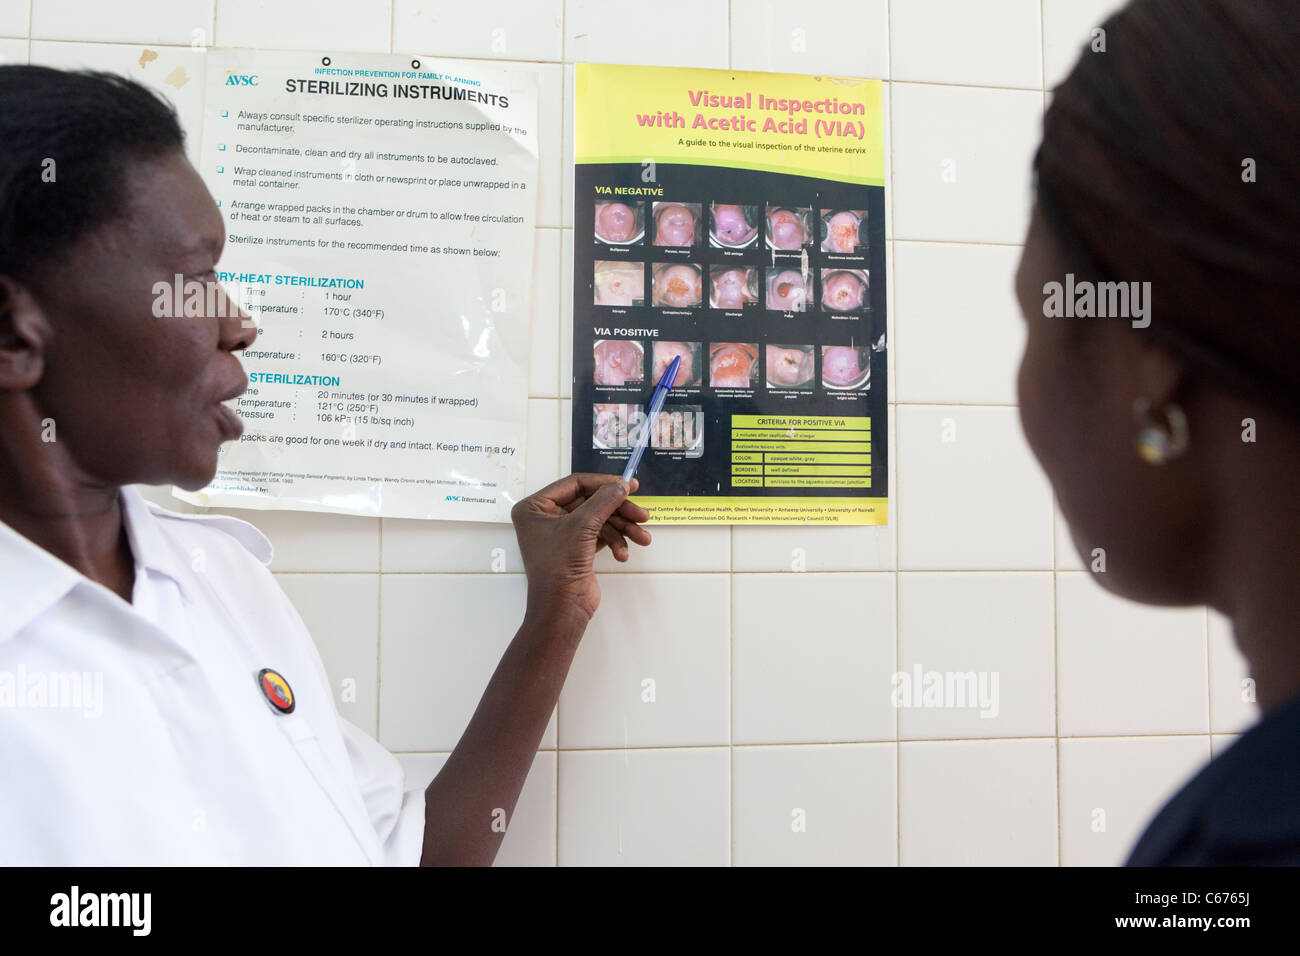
pixel 1171 432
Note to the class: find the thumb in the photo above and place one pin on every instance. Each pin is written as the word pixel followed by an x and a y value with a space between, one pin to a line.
pixel 596 510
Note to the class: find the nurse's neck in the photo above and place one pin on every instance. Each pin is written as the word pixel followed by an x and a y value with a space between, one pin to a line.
pixel 49 500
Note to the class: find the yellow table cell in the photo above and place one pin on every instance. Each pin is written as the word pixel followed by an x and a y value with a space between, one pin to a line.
pixel 800 421
pixel 863 471
pixel 797 482
pixel 802 434
pixel 825 458
pixel 802 446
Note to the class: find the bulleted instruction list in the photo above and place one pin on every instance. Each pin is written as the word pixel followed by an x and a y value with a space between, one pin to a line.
pixel 379 214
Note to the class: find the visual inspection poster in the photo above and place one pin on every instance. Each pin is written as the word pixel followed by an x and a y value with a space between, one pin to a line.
pixel 380 216
pixel 734 220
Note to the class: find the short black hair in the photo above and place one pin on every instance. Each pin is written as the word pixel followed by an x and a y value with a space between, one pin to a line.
pixel 67 139
pixel 1147 172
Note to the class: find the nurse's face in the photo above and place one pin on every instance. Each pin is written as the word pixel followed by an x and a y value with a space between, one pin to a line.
pixel 136 397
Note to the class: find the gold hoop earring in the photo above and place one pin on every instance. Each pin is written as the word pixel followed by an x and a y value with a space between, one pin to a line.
pixel 1157 443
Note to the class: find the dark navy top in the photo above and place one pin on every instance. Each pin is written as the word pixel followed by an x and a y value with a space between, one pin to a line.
pixel 1243 809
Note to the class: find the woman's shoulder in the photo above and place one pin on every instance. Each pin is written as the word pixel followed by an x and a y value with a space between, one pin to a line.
pixel 1243 808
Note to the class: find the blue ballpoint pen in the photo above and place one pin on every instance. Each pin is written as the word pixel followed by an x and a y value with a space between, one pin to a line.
pixel 656 404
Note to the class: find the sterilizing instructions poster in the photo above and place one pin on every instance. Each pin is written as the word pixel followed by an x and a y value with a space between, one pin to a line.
pixel 379 214
pixel 734 221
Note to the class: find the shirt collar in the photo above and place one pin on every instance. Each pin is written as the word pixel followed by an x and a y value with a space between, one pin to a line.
pixel 149 546
pixel 31 581
pixel 152 544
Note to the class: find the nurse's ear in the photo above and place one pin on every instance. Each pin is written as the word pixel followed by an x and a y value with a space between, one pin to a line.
pixel 24 333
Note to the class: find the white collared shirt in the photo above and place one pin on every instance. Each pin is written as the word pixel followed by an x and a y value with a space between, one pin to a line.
pixel 138 734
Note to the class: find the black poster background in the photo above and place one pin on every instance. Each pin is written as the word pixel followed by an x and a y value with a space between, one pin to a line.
pixel 710 475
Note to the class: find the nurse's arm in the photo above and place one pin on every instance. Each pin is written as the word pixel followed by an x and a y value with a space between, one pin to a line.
pixel 560 529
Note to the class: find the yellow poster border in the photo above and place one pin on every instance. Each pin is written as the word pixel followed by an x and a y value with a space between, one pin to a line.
pixel 626 114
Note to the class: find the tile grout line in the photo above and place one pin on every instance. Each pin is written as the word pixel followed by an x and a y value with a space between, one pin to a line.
pixel 379 616
pixel 1209 682
pixel 893 452
pixel 1056 627
pixel 965 86
pixel 731 719
pixel 565 125
pixel 1042 48
pixel 720 570
pixel 840 744
pixel 379 647
pixel 731 624
pixel 950 242
pixel 356 51
pixel 978 405
pixel 181 44
pixel 1056 692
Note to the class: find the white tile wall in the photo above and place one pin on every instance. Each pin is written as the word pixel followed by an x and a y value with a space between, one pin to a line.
pixel 812 657
pixel 566 169
pixel 180 22
pixel 1124 668
pixel 1232 692
pixel 771 738
pixel 672 33
pixel 13 18
pixel 12 51
pixel 645 807
pixel 1067 556
pixel 518 30
pixel 552 202
pixel 440 637
pixel 990 626
pixel 1110 789
pixel 962 161
pixel 814 36
pixel 544 342
pixel 342 612
pixel 970 494
pixel 530 831
pixel 353 25
pixel 959 340
pixel 1067 29
pixel 978 803
pixel 976 42
pixel 1221 742
pixel 653 670
pixel 824 806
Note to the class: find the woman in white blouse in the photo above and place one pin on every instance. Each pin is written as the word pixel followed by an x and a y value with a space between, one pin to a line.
pixel 160 699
